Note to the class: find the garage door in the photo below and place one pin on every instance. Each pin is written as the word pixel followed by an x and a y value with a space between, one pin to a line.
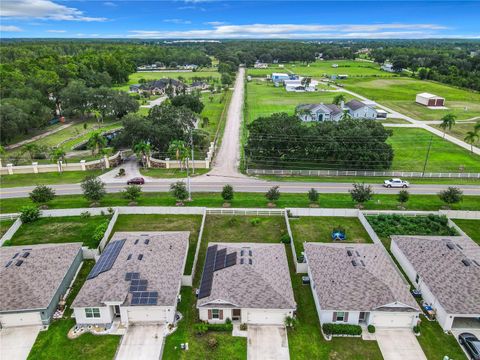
pixel 393 320
pixel 146 315
pixel 259 317
pixel 20 319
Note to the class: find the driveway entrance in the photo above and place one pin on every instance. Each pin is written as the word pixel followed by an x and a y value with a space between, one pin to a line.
pixel 16 342
pixel 399 344
pixel 267 342
pixel 142 342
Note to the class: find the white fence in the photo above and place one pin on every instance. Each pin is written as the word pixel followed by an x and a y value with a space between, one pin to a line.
pixel 245 211
pixel 11 231
pixel 175 164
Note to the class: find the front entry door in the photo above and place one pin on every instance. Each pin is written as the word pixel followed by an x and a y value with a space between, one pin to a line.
pixel 116 310
pixel 362 317
pixel 236 314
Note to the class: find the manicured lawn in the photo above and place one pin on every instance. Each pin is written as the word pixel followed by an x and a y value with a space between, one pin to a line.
pixel 54 230
pixel 54 344
pixel 436 344
pixel 410 148
pixel 393 121
pixel 66 177
pixel 5 225
pixel 170 173
pixel 380 202
pixel 399 94
pixel 154 222
pixel 470 227
pixel 351 68
pixel 319 229
pixel 459 130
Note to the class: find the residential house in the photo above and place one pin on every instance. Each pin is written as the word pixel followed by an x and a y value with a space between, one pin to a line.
pixel 297 85
pixel 319 112
pixel 260 65
pixel 34 280
pixel 159 87
pixel 246 282
pixel 200 85
pixel 279 77
pixel 358 284
pixel 429 100
pixel 137 279
pixel 359 110
pixel 446 269
pixel 388 67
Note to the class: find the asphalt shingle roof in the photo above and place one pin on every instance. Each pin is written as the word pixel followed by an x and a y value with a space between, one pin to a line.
pixel 355 105
pixel 456 286
pixel 33 284
pixel 370 285
pixel 162 266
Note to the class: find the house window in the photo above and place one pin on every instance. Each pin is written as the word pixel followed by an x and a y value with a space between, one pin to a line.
pixel 92 312
pixel 215 314
pixel 340 316
pixel 417 278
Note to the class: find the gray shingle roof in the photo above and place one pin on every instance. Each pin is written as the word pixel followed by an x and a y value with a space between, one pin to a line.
pixel 324 108
pixel 456 286
pixel 354 104
pixel 370 285
pixel 161 83
pixel 33 284
pixel 162 266
pixel 265 284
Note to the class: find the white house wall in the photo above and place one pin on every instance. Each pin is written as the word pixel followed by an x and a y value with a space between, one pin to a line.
pixel 106 316
pixel 364 113
pixel 250 316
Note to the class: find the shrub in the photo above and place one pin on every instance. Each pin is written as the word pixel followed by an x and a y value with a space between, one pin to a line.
pixel 451 195
pixel 110 210
pixel 7 243
pixel 403 196
pixel 121 172
pixel 100 231
pixel 416 329
pixel 227 193
pixel 42 194
pixel 273 194
pixel 285 238
pixel 179 191
pixel 312 195
pixel 361 193
pixel 29 214
pixel 255 221
pixel 85 214
pixel 290 322
pixel 371 329
pixel 220 327
pixel 243 327
pixel 341 329
pixel 200 328
pixel 132 192
pixel 212 343
pixel 93 188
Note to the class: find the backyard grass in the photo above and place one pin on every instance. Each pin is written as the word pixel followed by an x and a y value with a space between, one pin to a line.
pixel 155 222
pixel 5 225
pixel 470 227
pixel 319 229
pixel 399 94
pixel 170 173
pixel 54 344
pixel 66 177
pixel 54 230
pixel 249 200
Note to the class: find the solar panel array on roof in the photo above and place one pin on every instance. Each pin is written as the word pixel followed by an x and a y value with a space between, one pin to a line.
pixel 132 275
pixel 144 298
pixel 25 254
pixel 220 259
pixel 107 258
pixel 214 261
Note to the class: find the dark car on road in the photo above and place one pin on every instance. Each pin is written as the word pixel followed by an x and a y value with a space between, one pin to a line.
pixel 471 343
pixel 136 181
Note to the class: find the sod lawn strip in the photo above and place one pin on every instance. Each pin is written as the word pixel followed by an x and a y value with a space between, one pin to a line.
pixel 55 230
pixel 5 225
pixel 50 178
pixel 53 344
pixel 319 229
pixel 470 227
pixel 250 200
pixel 157 222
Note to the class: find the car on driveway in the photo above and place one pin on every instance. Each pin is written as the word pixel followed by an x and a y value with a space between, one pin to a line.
pixel 396 183
pixel 136 181
pixel 471 343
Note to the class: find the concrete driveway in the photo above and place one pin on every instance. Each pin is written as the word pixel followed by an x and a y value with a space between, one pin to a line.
pixel 142 342
pixel 267 343
pixel 399 344
pixel 15 343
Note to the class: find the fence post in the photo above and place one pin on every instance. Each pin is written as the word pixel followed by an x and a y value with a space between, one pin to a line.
pixel 207 163
pixel 35 167
pixel 10 169
pixel 167 163
pixel 107 162
pixel 82 164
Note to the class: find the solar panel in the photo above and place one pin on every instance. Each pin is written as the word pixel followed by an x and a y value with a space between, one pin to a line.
pixel 145 298
pixel 9 263
pixel 14 256
pixel 146 241
pixel 25 254
pixel 140 257
pixel 207 276
pixel 220 259
pixel 135 275
pixel 107 258
pixel 231 259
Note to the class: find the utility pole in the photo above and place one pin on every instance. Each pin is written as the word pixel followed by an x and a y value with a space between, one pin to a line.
pixel 188 184
pixel 427 156
pixel 193 156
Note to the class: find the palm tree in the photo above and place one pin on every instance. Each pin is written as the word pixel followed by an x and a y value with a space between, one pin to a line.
pixel 180 150
pixel 447 123
pixel 96 142
pixel 306 82
pixel 337 100
pixel 471 138
pixel 142 149
pixel 346 115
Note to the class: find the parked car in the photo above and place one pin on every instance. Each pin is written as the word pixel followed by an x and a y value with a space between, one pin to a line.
pixel 471 343
pixel 136 181
pixel 396 183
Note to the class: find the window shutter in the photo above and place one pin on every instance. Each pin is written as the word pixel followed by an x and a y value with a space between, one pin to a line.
pixel 334 316
pixel 209 314
pixel 345 319
pixel 220 314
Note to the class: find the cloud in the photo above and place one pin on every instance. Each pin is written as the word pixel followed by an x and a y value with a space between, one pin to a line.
pixel 177 21
pixel 10 28
pixel 42 9
pixel 109 3
pixel 56 31
pixel 215 23
pixel 297 31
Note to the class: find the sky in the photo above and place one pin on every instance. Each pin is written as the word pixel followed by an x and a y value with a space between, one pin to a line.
pixel 215 19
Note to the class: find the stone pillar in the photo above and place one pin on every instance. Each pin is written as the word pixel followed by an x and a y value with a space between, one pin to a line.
pixel 107 163
pixel 82 164
pixel 149 165
pixel 10 169
pixel 35 167
pixel 207 163
pixel 167 163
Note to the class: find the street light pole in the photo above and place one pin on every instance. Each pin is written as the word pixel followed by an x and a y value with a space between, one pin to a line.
pixel 188 184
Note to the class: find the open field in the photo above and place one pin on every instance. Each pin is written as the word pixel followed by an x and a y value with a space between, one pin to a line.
pixel 66 177
pixel 351 68
pixel 216 112
pixel 411 147
pixel 249 200
pixel 155 222
pixel 459 130
pixel 54 344
pixel 470 227
pixel 319 229
pixel 53 230
pixel 399 94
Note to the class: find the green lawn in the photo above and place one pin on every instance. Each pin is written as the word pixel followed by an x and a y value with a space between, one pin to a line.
pixel 399 94
pixel 154 222
pixel 380 202
pixel 319 229
pixel 470 227
pixel 54 344
pixel 66 177
pixel 459 130
pixel 216 112
pixel 411 147
pixel 348 67
pixel 5 225
pixel 54 230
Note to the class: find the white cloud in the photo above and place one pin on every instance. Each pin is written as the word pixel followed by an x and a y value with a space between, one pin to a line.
pixel 110 3
pixel 10 28
pixel 215 23
pixel 42 9
pixel 56 31
pixel 177 21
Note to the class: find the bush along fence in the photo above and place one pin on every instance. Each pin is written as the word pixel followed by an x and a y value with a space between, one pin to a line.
pixel 405 174
pixel 168 163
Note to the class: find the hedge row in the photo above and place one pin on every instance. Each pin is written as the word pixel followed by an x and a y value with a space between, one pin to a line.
pixel 341 329
pixel 201 328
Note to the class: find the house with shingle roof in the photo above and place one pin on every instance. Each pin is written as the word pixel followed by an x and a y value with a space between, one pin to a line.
pixel 319 112
pixel 159 87
pixel 360 110
pixel 446 269
pixel 136 279
pixel 246 282
pixel 359 283
pixel 34 279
